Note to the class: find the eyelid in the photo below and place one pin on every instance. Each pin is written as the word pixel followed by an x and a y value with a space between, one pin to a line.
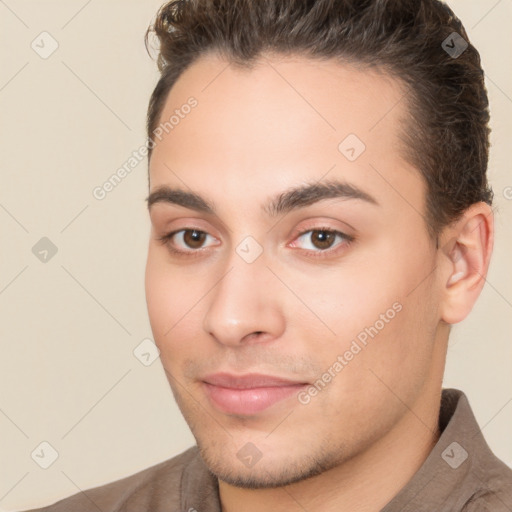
pixel 197 231
pixel 323 223
pixel 166 239
pixel 330 251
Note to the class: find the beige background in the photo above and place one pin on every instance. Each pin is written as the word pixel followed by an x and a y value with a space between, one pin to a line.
pixel 69 326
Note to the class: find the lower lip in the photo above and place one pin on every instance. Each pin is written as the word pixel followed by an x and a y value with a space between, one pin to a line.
pixel 249 401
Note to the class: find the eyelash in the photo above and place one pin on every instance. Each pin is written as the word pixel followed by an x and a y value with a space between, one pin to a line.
pixel 347 241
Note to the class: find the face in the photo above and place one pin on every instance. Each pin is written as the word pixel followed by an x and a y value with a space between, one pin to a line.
pixel 271 272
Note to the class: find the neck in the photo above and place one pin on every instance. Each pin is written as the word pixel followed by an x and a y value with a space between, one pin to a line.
pixel 366 482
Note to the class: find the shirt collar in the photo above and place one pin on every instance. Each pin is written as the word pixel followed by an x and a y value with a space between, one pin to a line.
pixel 452 472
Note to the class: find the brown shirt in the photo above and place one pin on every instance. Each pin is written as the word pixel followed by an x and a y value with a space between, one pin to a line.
pixel 460 474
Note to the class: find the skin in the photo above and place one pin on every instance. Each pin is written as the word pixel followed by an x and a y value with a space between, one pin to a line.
pixel 253 135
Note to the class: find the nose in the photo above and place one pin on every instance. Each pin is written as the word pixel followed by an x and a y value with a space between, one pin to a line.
pixel 245 304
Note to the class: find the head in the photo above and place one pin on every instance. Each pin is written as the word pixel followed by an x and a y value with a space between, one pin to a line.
pixel 320 212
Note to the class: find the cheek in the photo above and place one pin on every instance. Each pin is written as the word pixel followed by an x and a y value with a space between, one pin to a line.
pixel 174 307
pixel 350 299
pixel 400 322
pixel 166 295
pixel 157 293
pixel 379 305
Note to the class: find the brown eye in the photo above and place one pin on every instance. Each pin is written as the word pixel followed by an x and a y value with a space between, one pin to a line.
pixel 322 239
pixel 194 238
pixel 323 242
pixel 186 241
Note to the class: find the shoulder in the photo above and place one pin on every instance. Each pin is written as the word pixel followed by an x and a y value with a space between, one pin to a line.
pixel 493 480
pixel 144 490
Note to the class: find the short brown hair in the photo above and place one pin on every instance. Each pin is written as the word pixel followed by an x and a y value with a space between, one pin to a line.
pixel 447 137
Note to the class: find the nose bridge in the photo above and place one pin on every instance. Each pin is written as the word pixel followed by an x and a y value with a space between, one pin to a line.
pixel 241 302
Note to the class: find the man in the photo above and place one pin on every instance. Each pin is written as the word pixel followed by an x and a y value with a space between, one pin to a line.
pixel 320 218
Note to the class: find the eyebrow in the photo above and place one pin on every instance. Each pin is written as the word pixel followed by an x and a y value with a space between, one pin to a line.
pixel 291 199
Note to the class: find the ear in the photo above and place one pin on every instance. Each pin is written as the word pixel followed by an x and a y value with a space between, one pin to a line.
pixel 464 261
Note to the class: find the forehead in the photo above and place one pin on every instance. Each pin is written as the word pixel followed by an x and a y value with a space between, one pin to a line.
pixel 284 121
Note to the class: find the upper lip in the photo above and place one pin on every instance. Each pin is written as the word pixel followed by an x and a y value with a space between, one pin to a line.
pixel 249 380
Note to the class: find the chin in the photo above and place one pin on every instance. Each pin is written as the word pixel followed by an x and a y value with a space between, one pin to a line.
pixel 264 474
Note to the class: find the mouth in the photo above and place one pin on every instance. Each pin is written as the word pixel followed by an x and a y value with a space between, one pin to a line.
pixel 248 394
